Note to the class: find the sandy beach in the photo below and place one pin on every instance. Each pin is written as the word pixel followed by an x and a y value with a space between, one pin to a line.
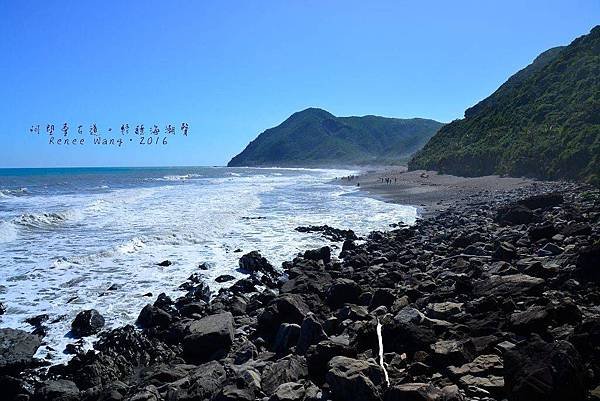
pixel 429 191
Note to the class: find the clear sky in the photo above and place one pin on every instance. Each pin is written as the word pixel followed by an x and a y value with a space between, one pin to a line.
pixel 231 69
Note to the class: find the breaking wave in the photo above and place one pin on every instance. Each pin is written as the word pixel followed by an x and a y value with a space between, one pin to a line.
pixel 47 221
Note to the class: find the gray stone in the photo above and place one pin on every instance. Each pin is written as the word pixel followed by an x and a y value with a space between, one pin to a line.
pixel 413 392
pixel 209 338
pixel 288 369
pixel 443 310
pixel 17 348
pixel 354 380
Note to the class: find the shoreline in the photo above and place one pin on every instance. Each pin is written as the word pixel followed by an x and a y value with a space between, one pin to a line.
pixel 471 304
pixel 431 193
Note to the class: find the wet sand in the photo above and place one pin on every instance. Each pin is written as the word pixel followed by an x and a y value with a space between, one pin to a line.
pixel 429 191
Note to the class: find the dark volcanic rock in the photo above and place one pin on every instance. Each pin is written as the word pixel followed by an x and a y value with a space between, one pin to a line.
pixel 354 380
pixel 505 251
pixel 319 355
pixel 87 323
pixel 515 284
pixel 254 262
pixel 204 384
pixel 539 371
pixel 287 337
pixel 57 390
pixel 286 308
pixel 588 263
pixel 515 214
pixel 223 278
pixel 333 234
pixel 470 310
pixel 414 392
pixel 151 316
pixel 323 254
pixel 343 291
pixel 17 348
pixel 542 201
pixel 288 369
pixel 302 390
pixel 209 338
pixel 545 230
pixel 533 320
pixel 311 332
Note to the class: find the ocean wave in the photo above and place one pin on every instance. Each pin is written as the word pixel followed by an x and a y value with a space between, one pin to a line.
pixel 179 177
pixel 47 221
pixel 8 231
pixel 11 193
pixel 131 246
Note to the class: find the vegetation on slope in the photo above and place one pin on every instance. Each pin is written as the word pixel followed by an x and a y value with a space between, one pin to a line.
pixel 543 122
pixel 315 137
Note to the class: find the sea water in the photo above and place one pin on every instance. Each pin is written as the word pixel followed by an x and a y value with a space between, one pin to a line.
pixel 81 238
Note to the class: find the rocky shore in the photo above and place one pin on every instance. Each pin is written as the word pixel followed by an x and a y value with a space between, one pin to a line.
pixel 495 298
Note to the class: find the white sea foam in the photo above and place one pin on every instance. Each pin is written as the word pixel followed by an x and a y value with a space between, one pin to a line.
pixel 8 231
pixel 10 193
pixel 48 220
pixel 91 241
pixel 180 177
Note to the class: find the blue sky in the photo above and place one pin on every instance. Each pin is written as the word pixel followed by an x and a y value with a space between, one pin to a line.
pixel 234 68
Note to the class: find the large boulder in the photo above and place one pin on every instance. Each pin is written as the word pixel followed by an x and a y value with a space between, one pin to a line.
pixel 286 308
pixel 17 348
pixel 545 230
pixel 287 337
pixel 407 336
pixel 204 384
pixel 452 352
pixel 483 365
pixel 319 355
pixel 343 291
pixel 354 380
pixel 87 323
pixel 515 214
pixel 288 369
pixel 542 201
pixel 151 316
pixel 533 320
pixel 304 390
pixel 311 332
pixel 540 371
pixel 414 392
pixel 323 253
pixel 588 263
pixel 254 262
pixel 510 285
pixel 209 338
pixel 443 310
pixel 57 390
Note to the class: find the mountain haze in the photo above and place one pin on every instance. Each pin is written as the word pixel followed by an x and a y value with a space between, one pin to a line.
pixel 315 137
pixel 542 122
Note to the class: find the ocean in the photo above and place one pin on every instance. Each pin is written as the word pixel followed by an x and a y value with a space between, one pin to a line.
pixel 80 238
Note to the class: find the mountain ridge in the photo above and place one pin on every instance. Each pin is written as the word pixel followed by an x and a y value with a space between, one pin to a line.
pixel 316 137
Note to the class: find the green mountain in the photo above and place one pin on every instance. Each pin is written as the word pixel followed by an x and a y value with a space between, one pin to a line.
pixel 543 122
pixel 315 137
